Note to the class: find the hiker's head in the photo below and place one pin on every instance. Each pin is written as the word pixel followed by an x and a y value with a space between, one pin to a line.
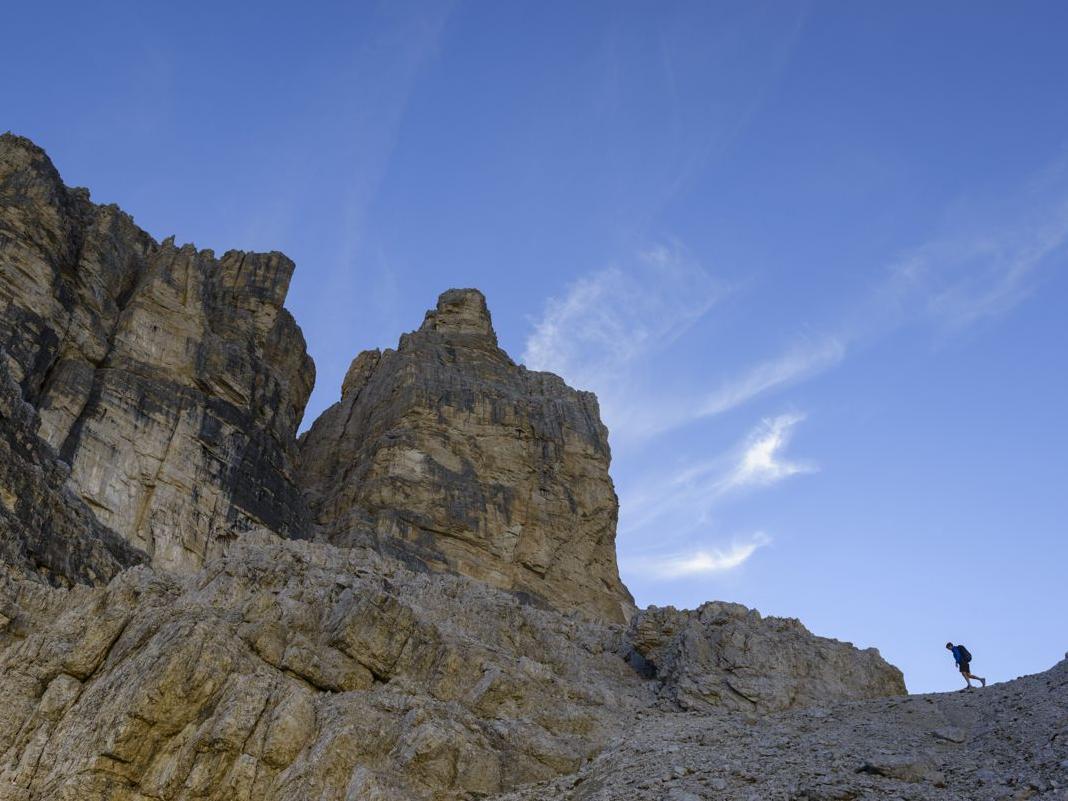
pixel 949 645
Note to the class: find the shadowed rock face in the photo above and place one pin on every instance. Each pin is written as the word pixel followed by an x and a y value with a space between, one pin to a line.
pixel 45 531
pixel 170 381
pixel 447 450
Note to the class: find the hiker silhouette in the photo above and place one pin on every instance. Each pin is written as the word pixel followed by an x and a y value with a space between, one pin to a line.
pixel 963 657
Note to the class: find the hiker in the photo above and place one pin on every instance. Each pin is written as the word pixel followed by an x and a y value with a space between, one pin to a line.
pixel 962 656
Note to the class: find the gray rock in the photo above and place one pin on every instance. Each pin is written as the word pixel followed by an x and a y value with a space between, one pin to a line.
pixel 45 530
pixel 951 734
pixel 725 655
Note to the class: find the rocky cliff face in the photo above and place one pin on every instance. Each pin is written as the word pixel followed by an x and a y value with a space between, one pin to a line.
pixel 1002 743
pixel 149 397
pixel 170 381
pixel 294 670
pixel 45 530
pixel 449 451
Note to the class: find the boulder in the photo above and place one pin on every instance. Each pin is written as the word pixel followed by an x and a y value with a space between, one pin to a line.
pixel 725 655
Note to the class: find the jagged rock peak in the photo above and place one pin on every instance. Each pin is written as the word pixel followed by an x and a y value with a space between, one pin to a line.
pixel 171 381
pixel 461 311
pixel 446 451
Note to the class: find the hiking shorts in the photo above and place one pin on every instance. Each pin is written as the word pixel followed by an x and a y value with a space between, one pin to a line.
pixel 965 667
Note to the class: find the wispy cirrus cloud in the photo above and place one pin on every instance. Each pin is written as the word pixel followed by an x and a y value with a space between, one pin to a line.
pixel 802 360
pixel 699 561
pixel 607 330
pixel 603 331
pixel 963 279
pixel 762 462
pixel 978 269
pixel 682 502
pixel 608 319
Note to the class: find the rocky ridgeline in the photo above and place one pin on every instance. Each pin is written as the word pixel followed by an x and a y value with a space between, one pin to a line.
pixel 725 655
pixel 417 600
pixel 1008 742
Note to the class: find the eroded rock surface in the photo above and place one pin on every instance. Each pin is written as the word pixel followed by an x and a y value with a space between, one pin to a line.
pixel 170 381
pixel 446 449
pixel 1009 744
pixel 725 655
pixel 156 391
pixel 45 530
pixel 295 670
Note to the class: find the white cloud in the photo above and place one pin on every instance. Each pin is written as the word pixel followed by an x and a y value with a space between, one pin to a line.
pixel 681 504
pixel 799 362
pixel 978 270
pixel 700 561
pixel 612 317
pixel 762 463
pixel 602 332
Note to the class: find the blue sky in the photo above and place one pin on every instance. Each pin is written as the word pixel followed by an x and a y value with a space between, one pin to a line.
pixel 810 256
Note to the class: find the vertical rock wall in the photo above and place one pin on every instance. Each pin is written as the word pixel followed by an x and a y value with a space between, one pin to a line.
pixel 170 381
pixel 447 450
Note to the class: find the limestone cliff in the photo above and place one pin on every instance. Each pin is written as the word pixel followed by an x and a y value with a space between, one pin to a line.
pixel 45 530
pixel 170 381
pixel 447 450
pixel 149 396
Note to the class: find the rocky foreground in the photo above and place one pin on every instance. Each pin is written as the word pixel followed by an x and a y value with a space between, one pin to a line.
pixel 416 599
pixel 1007 741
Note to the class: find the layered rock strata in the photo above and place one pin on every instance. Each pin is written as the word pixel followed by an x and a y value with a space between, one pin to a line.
pixel 448 450
pixel 45 530
pixel 156 390
pixel 294 670
pixel 170 381
pixel 725 655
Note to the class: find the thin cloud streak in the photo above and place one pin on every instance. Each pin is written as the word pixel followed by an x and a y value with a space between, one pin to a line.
pixel 700 561
pixel 601 333
pixel 800 362
pixel 684 501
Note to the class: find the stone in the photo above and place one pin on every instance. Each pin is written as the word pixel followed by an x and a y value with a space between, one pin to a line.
pixel 889 741
pixel 447 452
pixel 907 768
pixel 170 381
pixel 46 531
pixel 725 655
pixel 951 734
pixel 180 686
pixel 418 601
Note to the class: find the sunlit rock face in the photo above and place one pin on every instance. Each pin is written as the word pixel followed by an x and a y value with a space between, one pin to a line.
pixel 453 626
pixel 725 655
pixel 46 531
pixel 170 381
pixel 289 670
pixel 446 450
